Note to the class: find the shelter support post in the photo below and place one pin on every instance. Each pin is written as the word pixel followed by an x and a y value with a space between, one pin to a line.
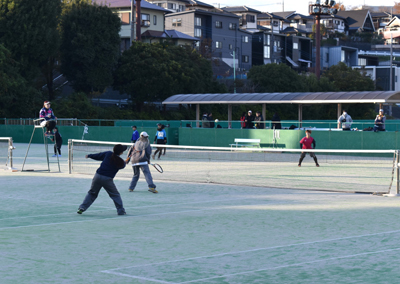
pixel 264 112
pixel 229 116
pixel 339 113
pixel 197 115
pixel 381 106
pixel 300 115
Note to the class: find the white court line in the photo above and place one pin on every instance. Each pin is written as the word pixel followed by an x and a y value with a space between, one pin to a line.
pixel 113 208
pixel 137 277
pixel 253 250
pixel 290 265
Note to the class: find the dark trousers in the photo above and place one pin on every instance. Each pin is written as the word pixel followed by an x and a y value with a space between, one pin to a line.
pixel 98 182
pixel 312 155
pixel 57 147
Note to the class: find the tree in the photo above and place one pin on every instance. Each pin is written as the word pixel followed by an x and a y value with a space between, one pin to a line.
pixel 17 98
pixel 29 30
pixel 396 8
pixel 347 79
pixel 154 72
pixel 89 45
pixel 273 77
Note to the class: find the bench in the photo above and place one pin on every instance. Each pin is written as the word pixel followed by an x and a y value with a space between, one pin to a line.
pixel 241 142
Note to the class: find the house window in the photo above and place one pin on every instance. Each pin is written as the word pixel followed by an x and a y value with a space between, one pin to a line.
pixel 197 21
pixel 266 52
pixel 245 39
pixel 171 6
pixel 197 32
pixel 176 22
pixel 218 44
pixel 245 58
pixel 295 45
pixel 154 20
pixel 218 24
pixel 250 18
pixel 231 46
pixel 145 20
pixel 275 23
pixel 181 8
pixel 267 39
pixel 125 18
pixel 232 26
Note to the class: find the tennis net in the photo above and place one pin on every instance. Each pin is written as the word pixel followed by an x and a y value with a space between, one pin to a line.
pixel 340 170
pixel 6 146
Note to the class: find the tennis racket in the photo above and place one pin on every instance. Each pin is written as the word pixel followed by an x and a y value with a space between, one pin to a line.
pixel 158 168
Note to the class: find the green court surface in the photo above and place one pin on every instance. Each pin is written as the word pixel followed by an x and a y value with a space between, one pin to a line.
pixel 190 232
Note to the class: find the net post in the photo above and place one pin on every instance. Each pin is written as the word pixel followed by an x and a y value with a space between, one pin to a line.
pixel 70 156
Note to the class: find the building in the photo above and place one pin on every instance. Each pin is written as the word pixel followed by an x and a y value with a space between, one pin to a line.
pixel 219 37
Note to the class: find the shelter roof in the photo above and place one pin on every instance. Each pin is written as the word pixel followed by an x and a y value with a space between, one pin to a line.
pixel 287 98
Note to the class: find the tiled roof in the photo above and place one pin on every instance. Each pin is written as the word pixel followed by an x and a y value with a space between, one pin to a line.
pixel 284 14
pixel 179 35
pixel 127 4
pixel 355 18
pixel 235 9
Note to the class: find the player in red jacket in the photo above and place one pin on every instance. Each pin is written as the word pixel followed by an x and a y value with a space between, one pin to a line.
pixel 308 143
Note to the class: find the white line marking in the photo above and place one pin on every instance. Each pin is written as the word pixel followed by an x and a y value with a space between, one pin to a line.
pixel 290 265
pixel 113 208
pixel 259 249
pixel 136 277
pixel 124 217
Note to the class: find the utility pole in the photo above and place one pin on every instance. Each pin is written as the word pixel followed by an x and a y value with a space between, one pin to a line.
pixel 132 24
pixel 138 21
pixel 234 73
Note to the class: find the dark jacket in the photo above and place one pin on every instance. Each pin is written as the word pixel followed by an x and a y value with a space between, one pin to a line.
pixel 275 124
pixel 249 123
pixel 257 124
pixel 107 168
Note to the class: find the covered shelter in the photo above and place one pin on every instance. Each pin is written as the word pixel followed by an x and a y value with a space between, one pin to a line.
pixel 305 98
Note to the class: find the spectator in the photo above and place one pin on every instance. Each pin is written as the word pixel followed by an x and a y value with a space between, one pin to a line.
pixel 249 119
pixel 345 120
pixel 380 121
pixel 206 124
pixel 58 144
pixel 135 134
pixel 276 121
pixel 50 120
pixel 257 121
pixel 242 119
pixel 308 143
pixel 210 118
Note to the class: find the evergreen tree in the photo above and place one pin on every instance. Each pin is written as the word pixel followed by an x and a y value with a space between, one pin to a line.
pixel 89 45
pixel 29 30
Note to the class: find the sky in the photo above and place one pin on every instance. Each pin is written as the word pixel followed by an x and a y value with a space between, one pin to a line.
pixel 300 6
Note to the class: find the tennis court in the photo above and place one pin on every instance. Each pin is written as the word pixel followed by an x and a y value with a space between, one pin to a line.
pixel 190 232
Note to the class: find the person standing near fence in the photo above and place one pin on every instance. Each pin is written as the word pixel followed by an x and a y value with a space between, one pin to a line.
pixel 307 143
pixel 135 134
pixel 380 121
pixel 249 119
pixel 346 121
pixel 257 121
pixel 104 177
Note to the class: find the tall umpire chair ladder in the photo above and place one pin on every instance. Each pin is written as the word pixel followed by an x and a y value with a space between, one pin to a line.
pixel 36 125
